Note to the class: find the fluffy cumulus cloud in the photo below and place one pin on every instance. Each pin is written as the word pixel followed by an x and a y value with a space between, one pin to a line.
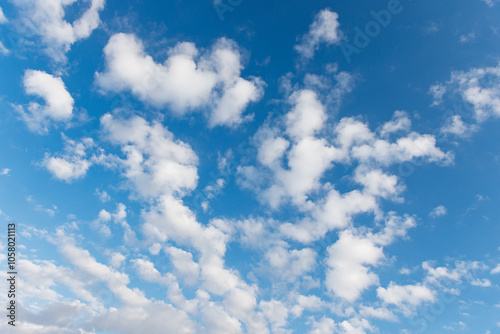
pixel 47 20
pixel 187 80
pixel 3 50
pixel 325 29
pixel 350 258
pixel 479 93
pixel 172 249
pixel 154 161
pixel 58 103
pixel 73 164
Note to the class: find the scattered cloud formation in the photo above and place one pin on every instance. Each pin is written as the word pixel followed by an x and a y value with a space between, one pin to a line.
pixel 467 37
pixel 308 221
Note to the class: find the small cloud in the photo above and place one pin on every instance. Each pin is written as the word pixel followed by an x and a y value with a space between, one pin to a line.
pixel 437 91
pixel 51 212
pixel 467 38
pixel 456 126
pixel 432 28
pixel 3 19
pixel 484 283
pixel 323 30
pixel 3 50
pixel 58 106
pixel 405 271
pixel 456 327
pixel 103 195
pixel 481 198
pixel 490 3
pixel 73 164
pixel 438 212
pixel 5 171
pixel 38 207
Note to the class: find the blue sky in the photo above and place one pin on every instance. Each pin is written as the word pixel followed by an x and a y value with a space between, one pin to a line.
pixel 252 166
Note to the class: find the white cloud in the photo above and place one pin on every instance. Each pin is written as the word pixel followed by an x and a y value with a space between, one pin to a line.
pixel 479 88
pixel 484 283
pixel 458 326
pixel 5 171
pixel 400 122
pixel 490 2
pixel 218 321
pixel 347 274
pixel 377 313
pixel 456 126
pixel 438 212
pixel 276 313
pixel 47 20
pixel 3 50
pixel 463 270
pixel 467 37
pixel 184 265
pixel 291 264
pixel 103 195
pixel 81 259
pixel 293 159
pixel 58 105
pixel 72 164
pixel 3 19
pixel 40 279
pixel 186 81
pixel 307 116
pixel 324 326
pixel 154 317
pixel 496 270
pixel 309 303
pixel 325 29
pixel 406 297
pixel 116 260
pixel 437 91
pixel 407 148
pixel 155 162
